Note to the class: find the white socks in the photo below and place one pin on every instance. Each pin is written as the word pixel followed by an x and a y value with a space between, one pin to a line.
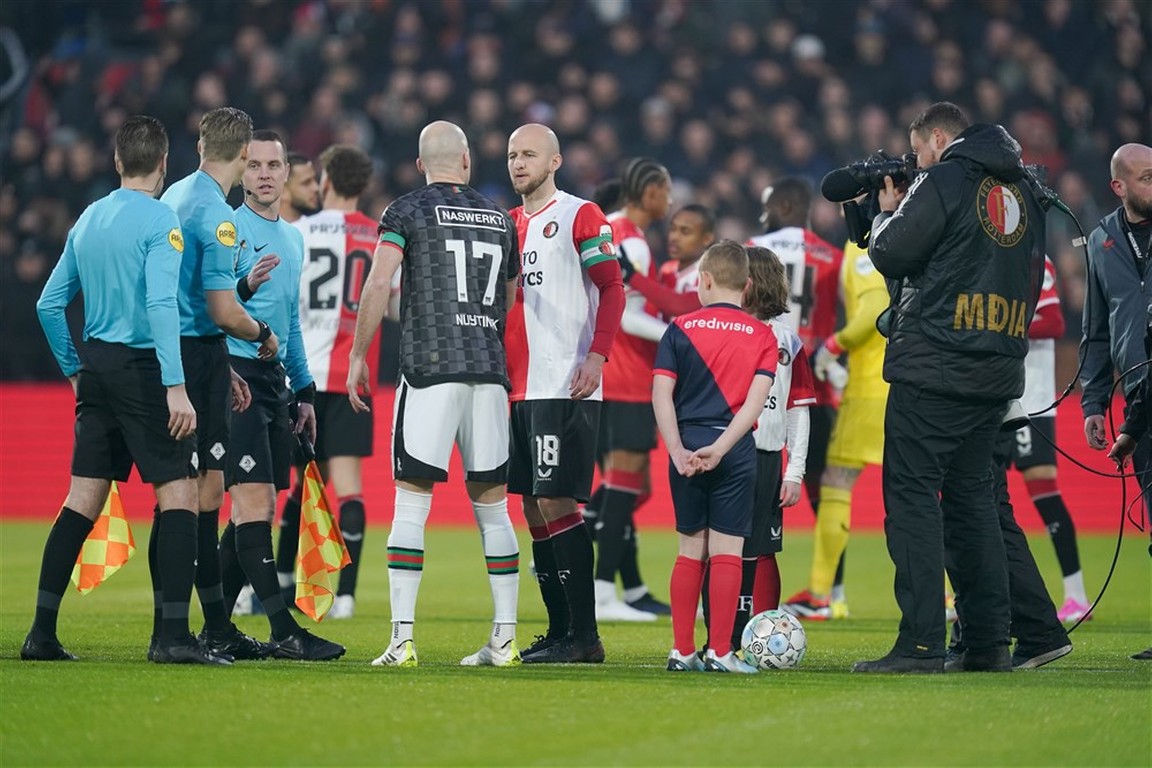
pixel 406 553
pixel 502 558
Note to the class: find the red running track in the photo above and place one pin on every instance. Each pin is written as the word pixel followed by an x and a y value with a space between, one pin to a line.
pixel 36 422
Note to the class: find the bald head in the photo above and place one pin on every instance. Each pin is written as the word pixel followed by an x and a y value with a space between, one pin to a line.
pixel 444 152
pixel 539 137
pixel 1132 180
pixel 1130 158
pixel 533 158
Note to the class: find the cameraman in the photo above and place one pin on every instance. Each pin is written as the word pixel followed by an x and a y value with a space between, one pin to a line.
pixel 965 244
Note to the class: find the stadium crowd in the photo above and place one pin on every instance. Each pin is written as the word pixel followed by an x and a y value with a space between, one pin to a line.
pixel 729 94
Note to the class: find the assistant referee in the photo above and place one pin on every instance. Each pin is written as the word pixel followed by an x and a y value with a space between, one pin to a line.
pixel 131 404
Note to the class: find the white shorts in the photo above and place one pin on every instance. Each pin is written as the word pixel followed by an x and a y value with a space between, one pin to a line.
pixel 428 421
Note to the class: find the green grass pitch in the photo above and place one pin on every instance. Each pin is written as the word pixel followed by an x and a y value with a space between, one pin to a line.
pixel 114 708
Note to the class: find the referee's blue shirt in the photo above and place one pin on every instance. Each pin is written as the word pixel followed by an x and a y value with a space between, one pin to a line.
pixel 124 254
pixel 209 263
pixel 276 302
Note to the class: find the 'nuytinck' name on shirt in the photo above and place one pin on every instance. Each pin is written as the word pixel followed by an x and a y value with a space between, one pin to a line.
pixel 480 321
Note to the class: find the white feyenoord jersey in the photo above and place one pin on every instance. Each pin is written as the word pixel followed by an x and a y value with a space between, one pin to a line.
pixel 792 387
pixel 551 326
pixel 338 249
pixel 1040 363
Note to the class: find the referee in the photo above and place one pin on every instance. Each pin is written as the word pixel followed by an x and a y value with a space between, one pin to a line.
pixel 131 405
pixel 260 456
pixel 209 309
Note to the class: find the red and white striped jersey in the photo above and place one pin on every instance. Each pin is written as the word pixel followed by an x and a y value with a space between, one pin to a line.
pixel 791 388
pixel 1040 363
pixel 813 269
pixel 338 248
pixel 551 327
pixel 628 373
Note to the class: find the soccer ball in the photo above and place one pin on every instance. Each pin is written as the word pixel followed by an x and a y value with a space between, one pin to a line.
pixel 774 640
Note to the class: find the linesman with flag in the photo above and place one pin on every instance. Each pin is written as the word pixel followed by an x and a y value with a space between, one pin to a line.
pixel 131 405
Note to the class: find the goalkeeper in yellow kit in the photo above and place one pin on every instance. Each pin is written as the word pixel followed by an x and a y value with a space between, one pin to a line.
pixel 858 437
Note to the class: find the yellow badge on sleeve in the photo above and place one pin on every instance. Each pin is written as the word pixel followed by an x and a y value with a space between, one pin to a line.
pixel 176 240
pixel 226 234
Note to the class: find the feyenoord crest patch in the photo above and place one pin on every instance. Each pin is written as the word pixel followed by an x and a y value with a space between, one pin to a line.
pixel 784 357
pixel 1002 211
pixel 551 228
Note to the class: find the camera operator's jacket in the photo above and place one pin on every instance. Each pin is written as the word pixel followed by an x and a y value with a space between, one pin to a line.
pixel 967 245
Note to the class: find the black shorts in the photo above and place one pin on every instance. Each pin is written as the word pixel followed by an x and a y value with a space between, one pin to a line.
pixel 209 388
pixel 1035 444
pixel 262 439
pixel 122 418
pixel 552 448
pixel 340 431
pixel 821 420
pixel 626 427
pixel 767 515
pixel 722 498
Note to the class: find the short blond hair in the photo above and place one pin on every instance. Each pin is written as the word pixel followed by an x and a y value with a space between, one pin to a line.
pixel 224 132
pixel 727 262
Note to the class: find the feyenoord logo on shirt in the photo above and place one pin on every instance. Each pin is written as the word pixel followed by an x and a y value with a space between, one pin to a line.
pixel 1002 211
pixel 551 228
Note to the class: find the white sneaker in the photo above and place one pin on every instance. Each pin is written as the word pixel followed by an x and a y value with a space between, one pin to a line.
pixel 618 610
pixel 729 662
pixel 342 607
pixel 507 655
pixel 403 655
pixel 679 663
pixel 243 606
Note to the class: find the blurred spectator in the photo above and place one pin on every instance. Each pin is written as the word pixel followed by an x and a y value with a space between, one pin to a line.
pixel 728 94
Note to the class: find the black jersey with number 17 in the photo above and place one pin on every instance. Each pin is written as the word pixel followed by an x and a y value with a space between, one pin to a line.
pixel 460 250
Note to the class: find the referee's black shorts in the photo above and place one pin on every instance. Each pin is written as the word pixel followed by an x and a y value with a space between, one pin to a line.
pixel 122 418
pixel 209 386
pixel 262 438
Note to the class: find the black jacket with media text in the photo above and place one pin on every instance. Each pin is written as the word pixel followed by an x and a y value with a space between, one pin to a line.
pixel 967 244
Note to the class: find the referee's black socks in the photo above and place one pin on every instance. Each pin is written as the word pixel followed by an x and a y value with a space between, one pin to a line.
pixel 208 584
pixel 254 548
pixel 176 563
pixel 232 576
pixel 60 553
pixel 154 572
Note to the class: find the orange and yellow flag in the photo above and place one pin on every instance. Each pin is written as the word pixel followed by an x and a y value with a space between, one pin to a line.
pixel 109 545
pixel 322 551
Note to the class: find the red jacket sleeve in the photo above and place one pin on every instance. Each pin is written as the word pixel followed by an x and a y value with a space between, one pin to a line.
pixel 606 276
pixel 668 301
